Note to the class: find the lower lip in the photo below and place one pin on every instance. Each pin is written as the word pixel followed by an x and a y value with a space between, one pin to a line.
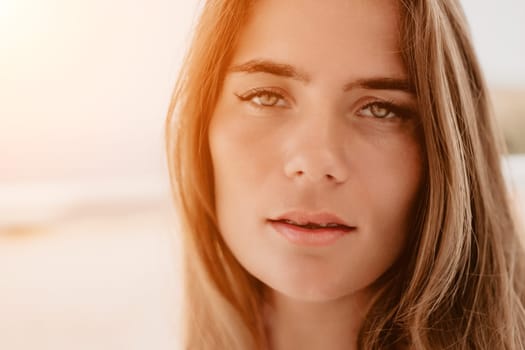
pixel 304 236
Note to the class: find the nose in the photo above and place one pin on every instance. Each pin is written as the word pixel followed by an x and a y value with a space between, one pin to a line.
pixel 316 153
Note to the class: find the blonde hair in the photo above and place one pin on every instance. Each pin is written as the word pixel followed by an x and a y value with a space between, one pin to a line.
pixel 460 282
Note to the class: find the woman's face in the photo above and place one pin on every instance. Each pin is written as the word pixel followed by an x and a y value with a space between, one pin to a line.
pixel 315 115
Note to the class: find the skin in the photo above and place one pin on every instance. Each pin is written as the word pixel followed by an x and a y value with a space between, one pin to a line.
pixel 305 142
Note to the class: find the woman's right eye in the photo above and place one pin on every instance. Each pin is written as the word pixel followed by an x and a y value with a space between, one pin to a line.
pixel 264 98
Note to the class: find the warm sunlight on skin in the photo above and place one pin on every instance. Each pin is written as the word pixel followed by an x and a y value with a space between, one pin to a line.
pixel 317 118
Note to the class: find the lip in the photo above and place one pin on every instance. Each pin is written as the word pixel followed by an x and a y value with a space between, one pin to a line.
pixel 308 237
pixel 318 218
pixel 311 237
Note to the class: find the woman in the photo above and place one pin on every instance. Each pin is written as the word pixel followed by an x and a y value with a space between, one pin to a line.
pixel 337 174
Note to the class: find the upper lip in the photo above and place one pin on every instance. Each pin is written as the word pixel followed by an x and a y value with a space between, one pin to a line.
pixel 304 217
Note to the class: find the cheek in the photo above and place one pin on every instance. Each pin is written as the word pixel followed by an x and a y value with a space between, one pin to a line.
pixel 242 165
pixel 391 179
pixel 241 160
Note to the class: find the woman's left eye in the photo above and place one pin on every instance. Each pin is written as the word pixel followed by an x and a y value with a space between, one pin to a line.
pixel 264 98
pixel 379 110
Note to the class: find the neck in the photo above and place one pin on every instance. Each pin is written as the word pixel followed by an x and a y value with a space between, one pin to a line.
pixel 312 325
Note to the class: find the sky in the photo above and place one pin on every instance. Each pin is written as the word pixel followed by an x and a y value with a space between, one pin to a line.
pixel 85 85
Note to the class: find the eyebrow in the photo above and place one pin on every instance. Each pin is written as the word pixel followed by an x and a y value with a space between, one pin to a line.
pixel 381 84
pixel 271 67
pixel 289 71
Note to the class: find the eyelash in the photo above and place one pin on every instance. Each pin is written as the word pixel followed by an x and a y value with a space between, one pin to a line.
pixel 258 92
pixel 397 110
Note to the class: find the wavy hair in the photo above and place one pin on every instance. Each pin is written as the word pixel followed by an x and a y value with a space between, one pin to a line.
pixel 460 283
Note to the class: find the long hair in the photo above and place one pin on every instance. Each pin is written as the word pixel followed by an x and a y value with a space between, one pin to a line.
pixel 459 284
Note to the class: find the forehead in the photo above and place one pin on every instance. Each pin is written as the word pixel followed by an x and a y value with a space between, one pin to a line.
pixel 355 38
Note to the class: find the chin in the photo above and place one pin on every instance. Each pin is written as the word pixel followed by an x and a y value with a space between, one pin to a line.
pixel 309 291
pixel 316 296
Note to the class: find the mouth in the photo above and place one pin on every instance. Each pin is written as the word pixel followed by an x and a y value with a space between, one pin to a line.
pixel 311 229
pixel 313 226
pixel 313 221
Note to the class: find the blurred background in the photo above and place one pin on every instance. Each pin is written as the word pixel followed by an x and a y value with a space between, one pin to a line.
pixel 89 256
